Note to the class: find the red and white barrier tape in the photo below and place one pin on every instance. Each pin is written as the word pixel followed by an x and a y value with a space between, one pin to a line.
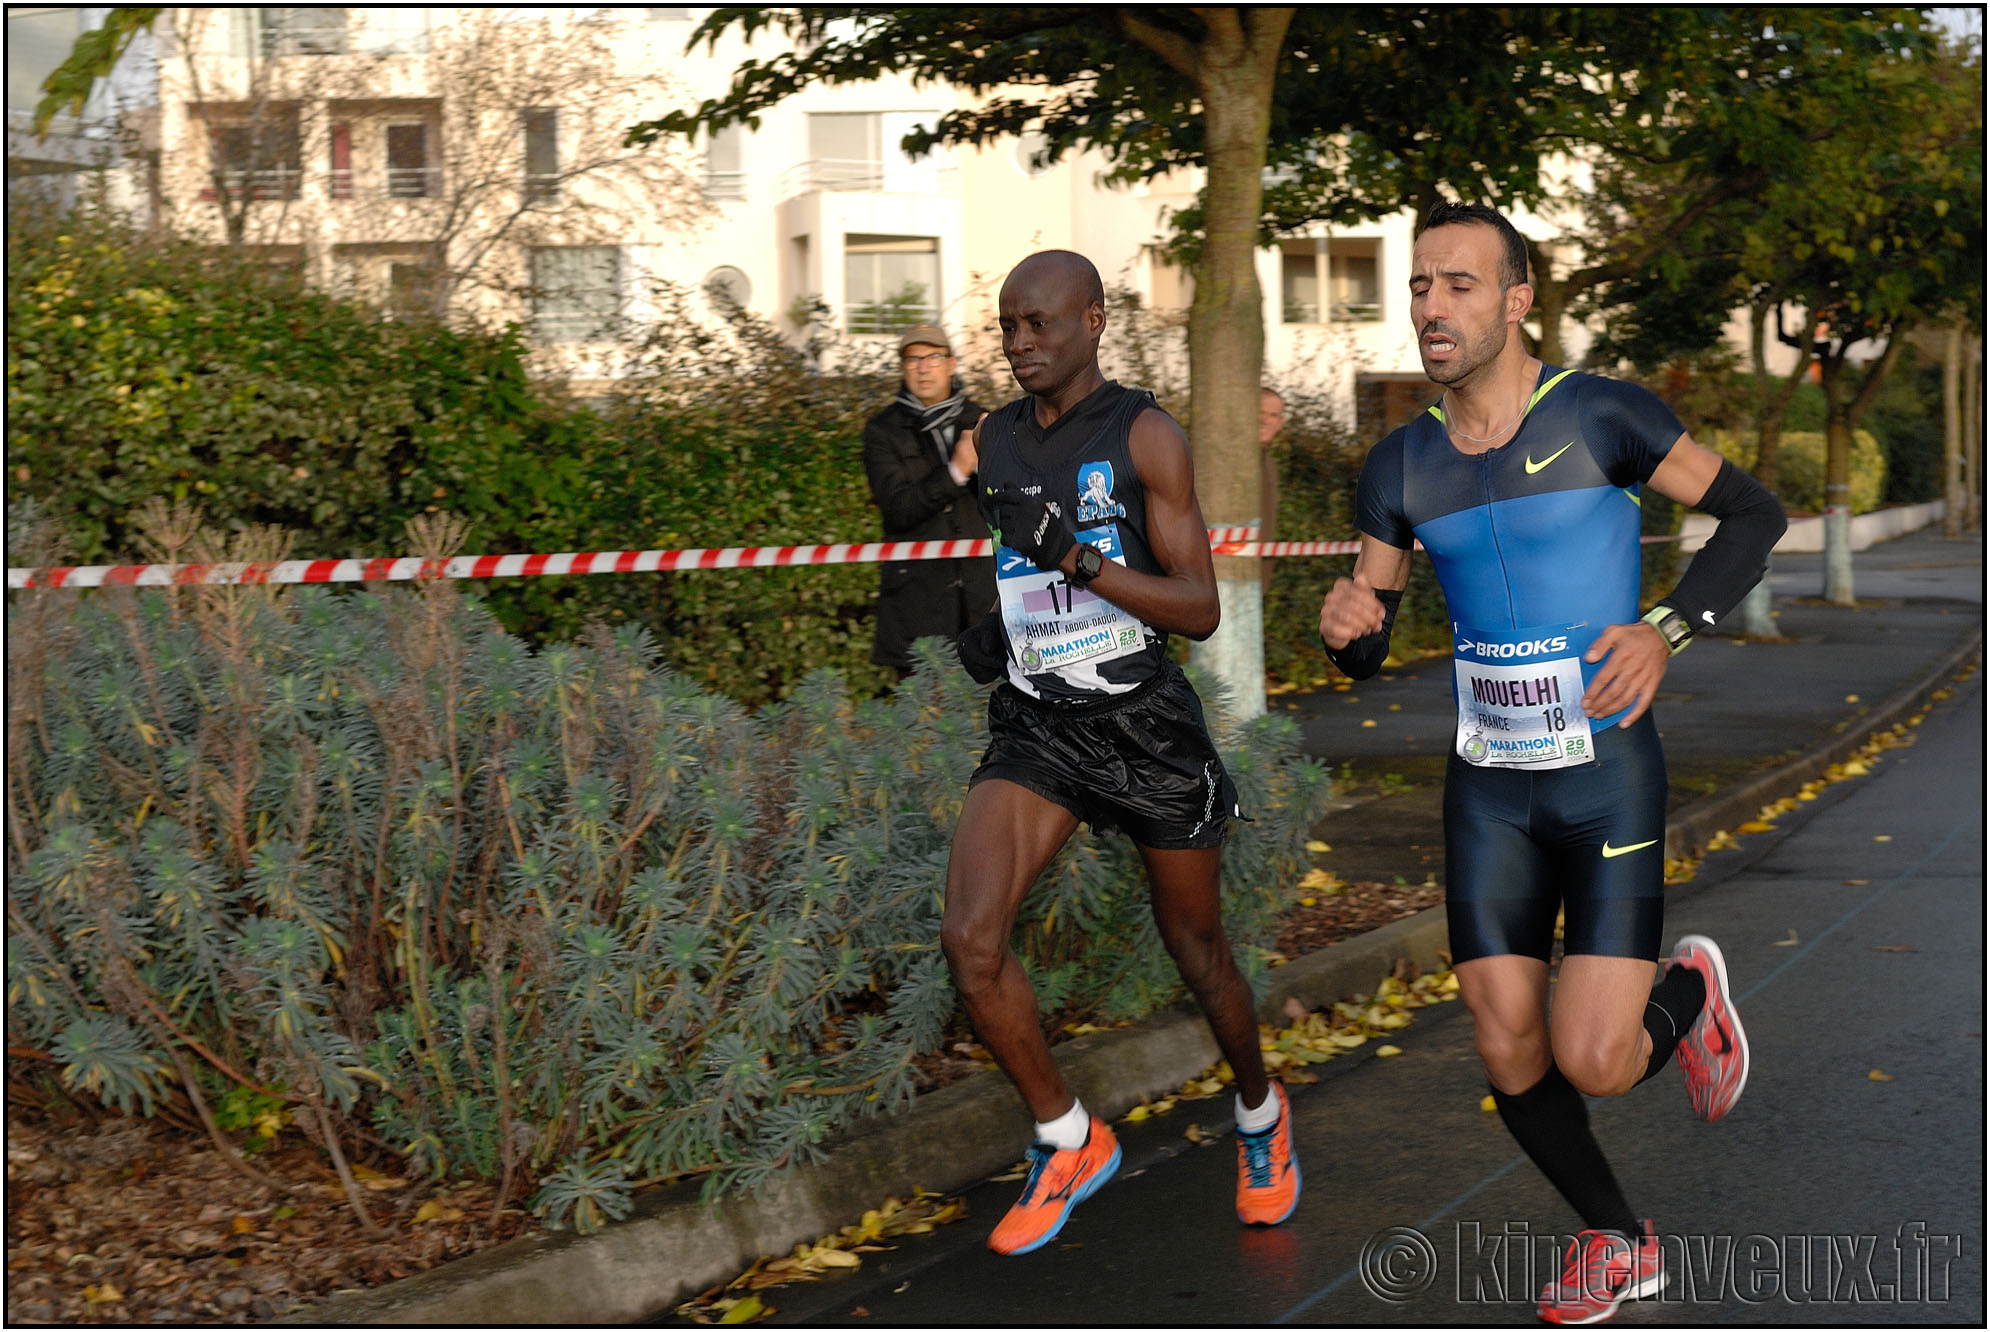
pixel 1223 541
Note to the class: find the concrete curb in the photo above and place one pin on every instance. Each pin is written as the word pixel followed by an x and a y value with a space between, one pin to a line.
pixel 674 1247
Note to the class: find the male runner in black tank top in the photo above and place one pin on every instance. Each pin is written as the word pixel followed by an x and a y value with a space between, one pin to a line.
pixel 1094 722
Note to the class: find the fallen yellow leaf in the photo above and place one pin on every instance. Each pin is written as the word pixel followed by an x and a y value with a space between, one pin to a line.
pixel 1387 1051
pixel 828 1257
pixel 745 1311
pixel 436 1210
pixel 1755 826
pixel 1369 722
pixel 1318 847
pixel 1488 1104
pixel 1882 837
pixel 1877 1076
pixel 103 1294
pixel 242 1225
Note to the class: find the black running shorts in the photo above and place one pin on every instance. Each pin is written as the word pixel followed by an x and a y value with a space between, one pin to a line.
pixel 1589 840
pixel 1140 761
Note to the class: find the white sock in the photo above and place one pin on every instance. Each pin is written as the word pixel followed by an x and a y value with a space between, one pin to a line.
pixel 1069 1130
pixel 1260 1119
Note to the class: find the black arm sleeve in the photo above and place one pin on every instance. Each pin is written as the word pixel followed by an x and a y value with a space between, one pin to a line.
pixel 1365 655
pixel 1735 556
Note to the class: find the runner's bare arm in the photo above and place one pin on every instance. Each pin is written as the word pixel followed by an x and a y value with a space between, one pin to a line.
pixel 1635 656
pixel 1183 599
pixel 1350 609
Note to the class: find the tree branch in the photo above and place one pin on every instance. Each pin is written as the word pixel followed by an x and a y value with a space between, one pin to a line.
pixel 1176 51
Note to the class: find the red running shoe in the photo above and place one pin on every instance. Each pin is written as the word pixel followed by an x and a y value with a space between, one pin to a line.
pixel 1267 1171
pixel 1713 1054
pixel 1059 1180
pixel 1600 1271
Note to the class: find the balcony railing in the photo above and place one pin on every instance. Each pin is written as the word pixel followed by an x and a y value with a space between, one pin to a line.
pixel 394 183
pixel 1353 312
pixel 294 38
pixel 725 184
pixel 579 326
pixel 860 176
pixel 413 182
pixel 886 316
pixel 277 183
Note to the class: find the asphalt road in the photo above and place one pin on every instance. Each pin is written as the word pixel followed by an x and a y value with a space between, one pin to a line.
pixel 1854 936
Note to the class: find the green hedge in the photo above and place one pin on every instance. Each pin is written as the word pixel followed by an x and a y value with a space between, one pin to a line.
pixel 557 917
pixel 143 366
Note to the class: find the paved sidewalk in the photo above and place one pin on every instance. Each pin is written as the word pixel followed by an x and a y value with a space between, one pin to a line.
pixel 1744 723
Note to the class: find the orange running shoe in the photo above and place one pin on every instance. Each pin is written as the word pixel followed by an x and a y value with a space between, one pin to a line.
pixel 1059 1180
pixel 1267 1171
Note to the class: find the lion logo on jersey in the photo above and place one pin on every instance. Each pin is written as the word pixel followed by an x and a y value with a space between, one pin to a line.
pixel 1095 500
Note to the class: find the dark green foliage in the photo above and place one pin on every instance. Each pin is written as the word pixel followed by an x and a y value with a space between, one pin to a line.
pixel 143 366
pixel 1907 420
pixel 724 434
pixel 556 917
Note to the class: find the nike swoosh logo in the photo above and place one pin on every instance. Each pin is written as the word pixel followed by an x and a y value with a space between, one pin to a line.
pixel 1533 467
pixel 1612 852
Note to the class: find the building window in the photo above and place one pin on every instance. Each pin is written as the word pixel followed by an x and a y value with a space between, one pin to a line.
pixel 1339 279
pixel 408 172
pixel 1299 282
pixel 846 150
pixel 542 152
pixel 576 291
pixel 262 160
pixel 411 289
pixel 725 164
pixel 1031 147
pixel 890 282
pixel 341 161
pixel 727 289
pixel 38 40
pixel 1354 281
pixel 289 32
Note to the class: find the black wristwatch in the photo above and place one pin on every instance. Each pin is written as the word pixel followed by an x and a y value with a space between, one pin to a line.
pixel 1090 564
pixel 1678 631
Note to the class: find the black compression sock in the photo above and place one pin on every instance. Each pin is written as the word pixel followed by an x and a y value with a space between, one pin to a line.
pixel 1551 1124
pixel 1674 1006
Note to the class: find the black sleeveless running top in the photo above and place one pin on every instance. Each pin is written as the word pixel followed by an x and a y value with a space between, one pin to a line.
pixel 1067 644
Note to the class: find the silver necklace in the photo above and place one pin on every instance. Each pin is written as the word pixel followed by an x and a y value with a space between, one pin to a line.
pixel 1483 439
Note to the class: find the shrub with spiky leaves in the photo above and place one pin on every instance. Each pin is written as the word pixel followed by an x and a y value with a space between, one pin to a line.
pixel 554 917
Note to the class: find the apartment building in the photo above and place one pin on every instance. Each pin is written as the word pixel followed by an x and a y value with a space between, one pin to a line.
pixel 469 160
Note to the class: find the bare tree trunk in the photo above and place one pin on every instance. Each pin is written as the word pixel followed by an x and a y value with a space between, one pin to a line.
pixel 1972 431
pixel 1233 68
pixel 1837 483
pixel 1954 518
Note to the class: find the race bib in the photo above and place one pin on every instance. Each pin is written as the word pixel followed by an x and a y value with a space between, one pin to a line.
pixel 1520 699
pixel 1054 623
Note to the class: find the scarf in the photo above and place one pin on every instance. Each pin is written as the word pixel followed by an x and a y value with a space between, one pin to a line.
pixel 941 421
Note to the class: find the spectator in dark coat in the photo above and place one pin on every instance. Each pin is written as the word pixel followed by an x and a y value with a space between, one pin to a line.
pixel 920 457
